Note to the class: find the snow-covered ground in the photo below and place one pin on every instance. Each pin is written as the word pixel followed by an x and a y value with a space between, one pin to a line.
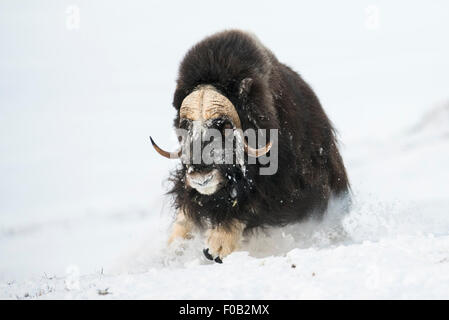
pixel 82 206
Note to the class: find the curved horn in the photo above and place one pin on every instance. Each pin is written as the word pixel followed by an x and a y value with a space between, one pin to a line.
pixel 170 155
pixel 257 152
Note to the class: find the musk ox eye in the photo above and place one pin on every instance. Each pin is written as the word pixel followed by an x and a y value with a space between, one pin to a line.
pixel 222 124
pixel 227 129
pixel 227 125
pixel 184 124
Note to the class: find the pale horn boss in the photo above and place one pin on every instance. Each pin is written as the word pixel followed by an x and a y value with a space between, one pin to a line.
pixel 204 105
pixel 229 83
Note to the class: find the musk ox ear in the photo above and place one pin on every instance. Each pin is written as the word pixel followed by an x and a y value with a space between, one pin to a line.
pixel 245 87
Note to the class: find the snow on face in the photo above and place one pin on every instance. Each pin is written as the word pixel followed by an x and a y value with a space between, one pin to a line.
pixel 207 180
pixel 206 111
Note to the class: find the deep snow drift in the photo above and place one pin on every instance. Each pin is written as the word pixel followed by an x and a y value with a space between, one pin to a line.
pixel 394 243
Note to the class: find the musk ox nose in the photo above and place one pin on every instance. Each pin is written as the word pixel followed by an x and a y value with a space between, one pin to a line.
pixel 205 182
pixel 201 178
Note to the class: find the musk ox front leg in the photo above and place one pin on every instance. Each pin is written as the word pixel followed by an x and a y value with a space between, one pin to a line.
pixel 222 240
pixel 182 227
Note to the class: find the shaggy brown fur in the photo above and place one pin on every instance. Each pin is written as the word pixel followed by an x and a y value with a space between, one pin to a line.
pixel 267 95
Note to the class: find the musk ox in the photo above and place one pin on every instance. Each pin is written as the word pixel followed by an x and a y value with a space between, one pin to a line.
pixel 231 82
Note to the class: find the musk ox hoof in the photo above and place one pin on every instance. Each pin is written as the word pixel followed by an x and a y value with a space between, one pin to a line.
pixel 207 254
pixel 222 241
pixel 210 257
